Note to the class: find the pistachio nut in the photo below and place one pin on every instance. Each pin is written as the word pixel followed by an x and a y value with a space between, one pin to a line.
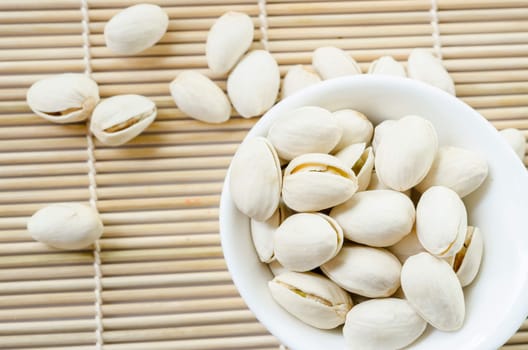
pixel 467 260
pixel 382 324
pixel 387 65
pixel 379 132
pixel 441 221
pixel 200 98
pixel 331 62
pixel 118 119
pixel 304 130
pixel 432 288
pixel 66 225
pixel 367 271
pixel 376 218
pixel 63 98
pixel 360 160
pixel 262 233
pixel 255 178
pixel 316 181
pixel 305 241
pixel 408 246
pixel 516 140
pixel 253 85
pixel 461 170
pixel 423 66
pixel 228 39
pixel 356 128
pixel 406 153
pixel 376 184
pixel 297 78
pixel 136 28
pixel 311 298
pixel 276 268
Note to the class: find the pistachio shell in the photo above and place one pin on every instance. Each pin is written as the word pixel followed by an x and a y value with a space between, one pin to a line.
pixel 376 184
pixel 228 39
pixel 262 235
pixel 408 246
pixel 63 98
pixel 356 128
pixel 406 153
pixel 461 170
pixel 311 298
pixel 66 225
pixel 253 85
pixel 297 78
pixel 387 65
pixel 441 221
pixel 382 324
pixel 316 181
pixel 379 132
pixel 367 271
pixel 376 218
pixel 467 260
pixel 361 163
pixel 255 179
pixel 423 66
pixel 331 62
pixel 136 28
pixel 304 130
pixel 516 140
pixel 118 119
pixel 305 241
pixel 200 98
pixel 276 268
pixel 432 288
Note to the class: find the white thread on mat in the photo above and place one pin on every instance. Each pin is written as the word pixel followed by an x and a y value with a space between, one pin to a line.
pixel 92 185
pixel 437 44
pixel 263 18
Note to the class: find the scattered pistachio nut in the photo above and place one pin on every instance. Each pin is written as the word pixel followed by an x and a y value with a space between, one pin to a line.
pixel 516 140
pixel 467 260
pixel 386 65
pixel 228 39
pixel 297 78
pixel 360 160
pixel 432 288
pixel 379 132
pixel 63 98
pixel 423 66
pixel 118 119
pixel 135 28
pixel 331 62
pixel 316 181
pixel 66 225
pixel 304 130
pixel 200 98
pixel 253 85
pixel 356 128
pixel 382 324
pixel 311 298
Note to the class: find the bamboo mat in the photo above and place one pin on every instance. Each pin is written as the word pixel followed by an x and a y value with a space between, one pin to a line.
pixel 159 280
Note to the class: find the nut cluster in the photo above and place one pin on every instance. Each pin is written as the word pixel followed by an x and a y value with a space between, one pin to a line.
pixel 341 221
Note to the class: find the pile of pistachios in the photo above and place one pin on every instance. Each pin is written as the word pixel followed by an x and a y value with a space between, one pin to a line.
pixel 344 213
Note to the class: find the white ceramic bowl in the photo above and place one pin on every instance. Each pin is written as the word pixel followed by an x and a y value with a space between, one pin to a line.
pixel 496 302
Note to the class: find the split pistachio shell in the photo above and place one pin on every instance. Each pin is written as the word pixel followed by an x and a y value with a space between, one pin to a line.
pixel 356 128
pixel 316 181
pixel 376 218
pixel 255 179
pixel 228 39
pixel 311 298
pixel 331 62
pixel 297 78
pixel 262 233
pixel 63 98
pixel 119 119
pixel 387 65
pixel 441 221
pixel 432 288
pixel 305 241
pixel 200 98
pixel 136 28
pixel 360 160
pixel 516 140
pixel 367 271
pixel 276 268
pixel 382 324
pixel 304 130
pixel 408 246
pixel 66 225
pixel 406 153
pixel 253 85
pixel 461 170
pixel 423 66
pixel 380 130
pixel 467 260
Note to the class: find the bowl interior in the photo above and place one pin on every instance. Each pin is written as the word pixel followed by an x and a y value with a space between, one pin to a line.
pixel 496 302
